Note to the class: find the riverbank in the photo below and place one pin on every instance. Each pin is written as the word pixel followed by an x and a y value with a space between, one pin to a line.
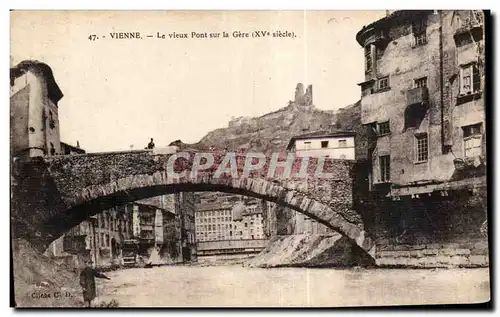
pixel 41 282
pixel 310 250
pixel 236 286
pixel 333 250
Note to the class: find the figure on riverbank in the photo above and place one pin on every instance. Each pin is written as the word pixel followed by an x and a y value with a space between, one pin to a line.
pixel 87 282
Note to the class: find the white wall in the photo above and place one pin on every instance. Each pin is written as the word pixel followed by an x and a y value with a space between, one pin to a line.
pixel 312 148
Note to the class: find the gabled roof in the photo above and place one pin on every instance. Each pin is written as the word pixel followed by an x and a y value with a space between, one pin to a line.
pixel 54 92
pixel 319 135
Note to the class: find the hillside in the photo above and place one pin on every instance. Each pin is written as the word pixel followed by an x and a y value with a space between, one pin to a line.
pixel 272 131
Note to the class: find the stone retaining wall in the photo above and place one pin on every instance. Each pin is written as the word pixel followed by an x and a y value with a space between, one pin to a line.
pixel 434 255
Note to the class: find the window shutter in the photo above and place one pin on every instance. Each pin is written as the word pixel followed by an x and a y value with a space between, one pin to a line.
pixel 476 79
pixel 461 81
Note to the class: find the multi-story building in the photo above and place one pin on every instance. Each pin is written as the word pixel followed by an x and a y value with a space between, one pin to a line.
pixel 226 219
pixel 214 222
pixel 170 222
pixel 106 231
pixel 98 238
pixel 185 206
pixel 423 95
pixel 34 122
pixel 334 145
pixel 248 223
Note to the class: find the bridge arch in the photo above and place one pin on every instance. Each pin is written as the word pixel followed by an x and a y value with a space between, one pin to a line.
pixel 77 187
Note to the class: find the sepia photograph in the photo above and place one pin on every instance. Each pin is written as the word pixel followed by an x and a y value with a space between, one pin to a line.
pixel 287 158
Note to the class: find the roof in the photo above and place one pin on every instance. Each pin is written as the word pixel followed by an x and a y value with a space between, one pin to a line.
pixel 54 92
pixel 72 147
pixel 319 135
pixel 212 206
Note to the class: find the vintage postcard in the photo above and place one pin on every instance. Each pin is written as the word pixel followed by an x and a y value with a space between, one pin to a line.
pixel 249 158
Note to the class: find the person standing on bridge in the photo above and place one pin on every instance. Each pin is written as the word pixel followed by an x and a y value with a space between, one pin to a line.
pixel 87 282
pixel 151 144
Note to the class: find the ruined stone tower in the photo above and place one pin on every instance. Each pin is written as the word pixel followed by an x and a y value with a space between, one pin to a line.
pixel 301 98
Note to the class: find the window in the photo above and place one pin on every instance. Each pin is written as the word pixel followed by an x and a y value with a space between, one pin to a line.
pixel 384 128
pixel 385 168
pixel 422 148
pixel 420 82
pixel 472 140
pixel 383 83
pixel 379 51
pixel 342 143
pixel 52 149
pixel 52 123
pixel 324 144
pixel 307 145
pixel 420 39
pixel 470 80
pixel 419 30
pixel 368 58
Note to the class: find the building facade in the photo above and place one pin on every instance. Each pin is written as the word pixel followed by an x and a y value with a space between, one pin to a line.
pixel 98 239
pixel 171 221
pixel 335 145
pixel 34 122
pixel 423 96
pixel 224 217
pixel 185 205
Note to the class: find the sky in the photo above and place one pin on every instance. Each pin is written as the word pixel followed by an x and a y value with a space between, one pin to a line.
pixel 120 93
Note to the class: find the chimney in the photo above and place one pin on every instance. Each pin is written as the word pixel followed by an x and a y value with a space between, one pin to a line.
pixel 77 144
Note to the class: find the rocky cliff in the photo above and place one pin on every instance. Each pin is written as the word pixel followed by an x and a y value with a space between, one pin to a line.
pixel 306 250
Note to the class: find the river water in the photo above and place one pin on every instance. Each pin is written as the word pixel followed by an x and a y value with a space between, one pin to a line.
pixel 223 286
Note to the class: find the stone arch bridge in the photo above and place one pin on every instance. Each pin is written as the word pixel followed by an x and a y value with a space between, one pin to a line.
pixel 52 194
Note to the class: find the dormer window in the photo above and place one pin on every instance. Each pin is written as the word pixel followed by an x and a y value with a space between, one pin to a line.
pixel 419 31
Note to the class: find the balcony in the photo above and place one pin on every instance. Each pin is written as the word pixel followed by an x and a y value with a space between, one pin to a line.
pixel 469 27
pixel 472 28
pixel 417 96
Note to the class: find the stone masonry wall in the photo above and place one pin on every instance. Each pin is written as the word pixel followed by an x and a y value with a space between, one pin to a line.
pixel 107 179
